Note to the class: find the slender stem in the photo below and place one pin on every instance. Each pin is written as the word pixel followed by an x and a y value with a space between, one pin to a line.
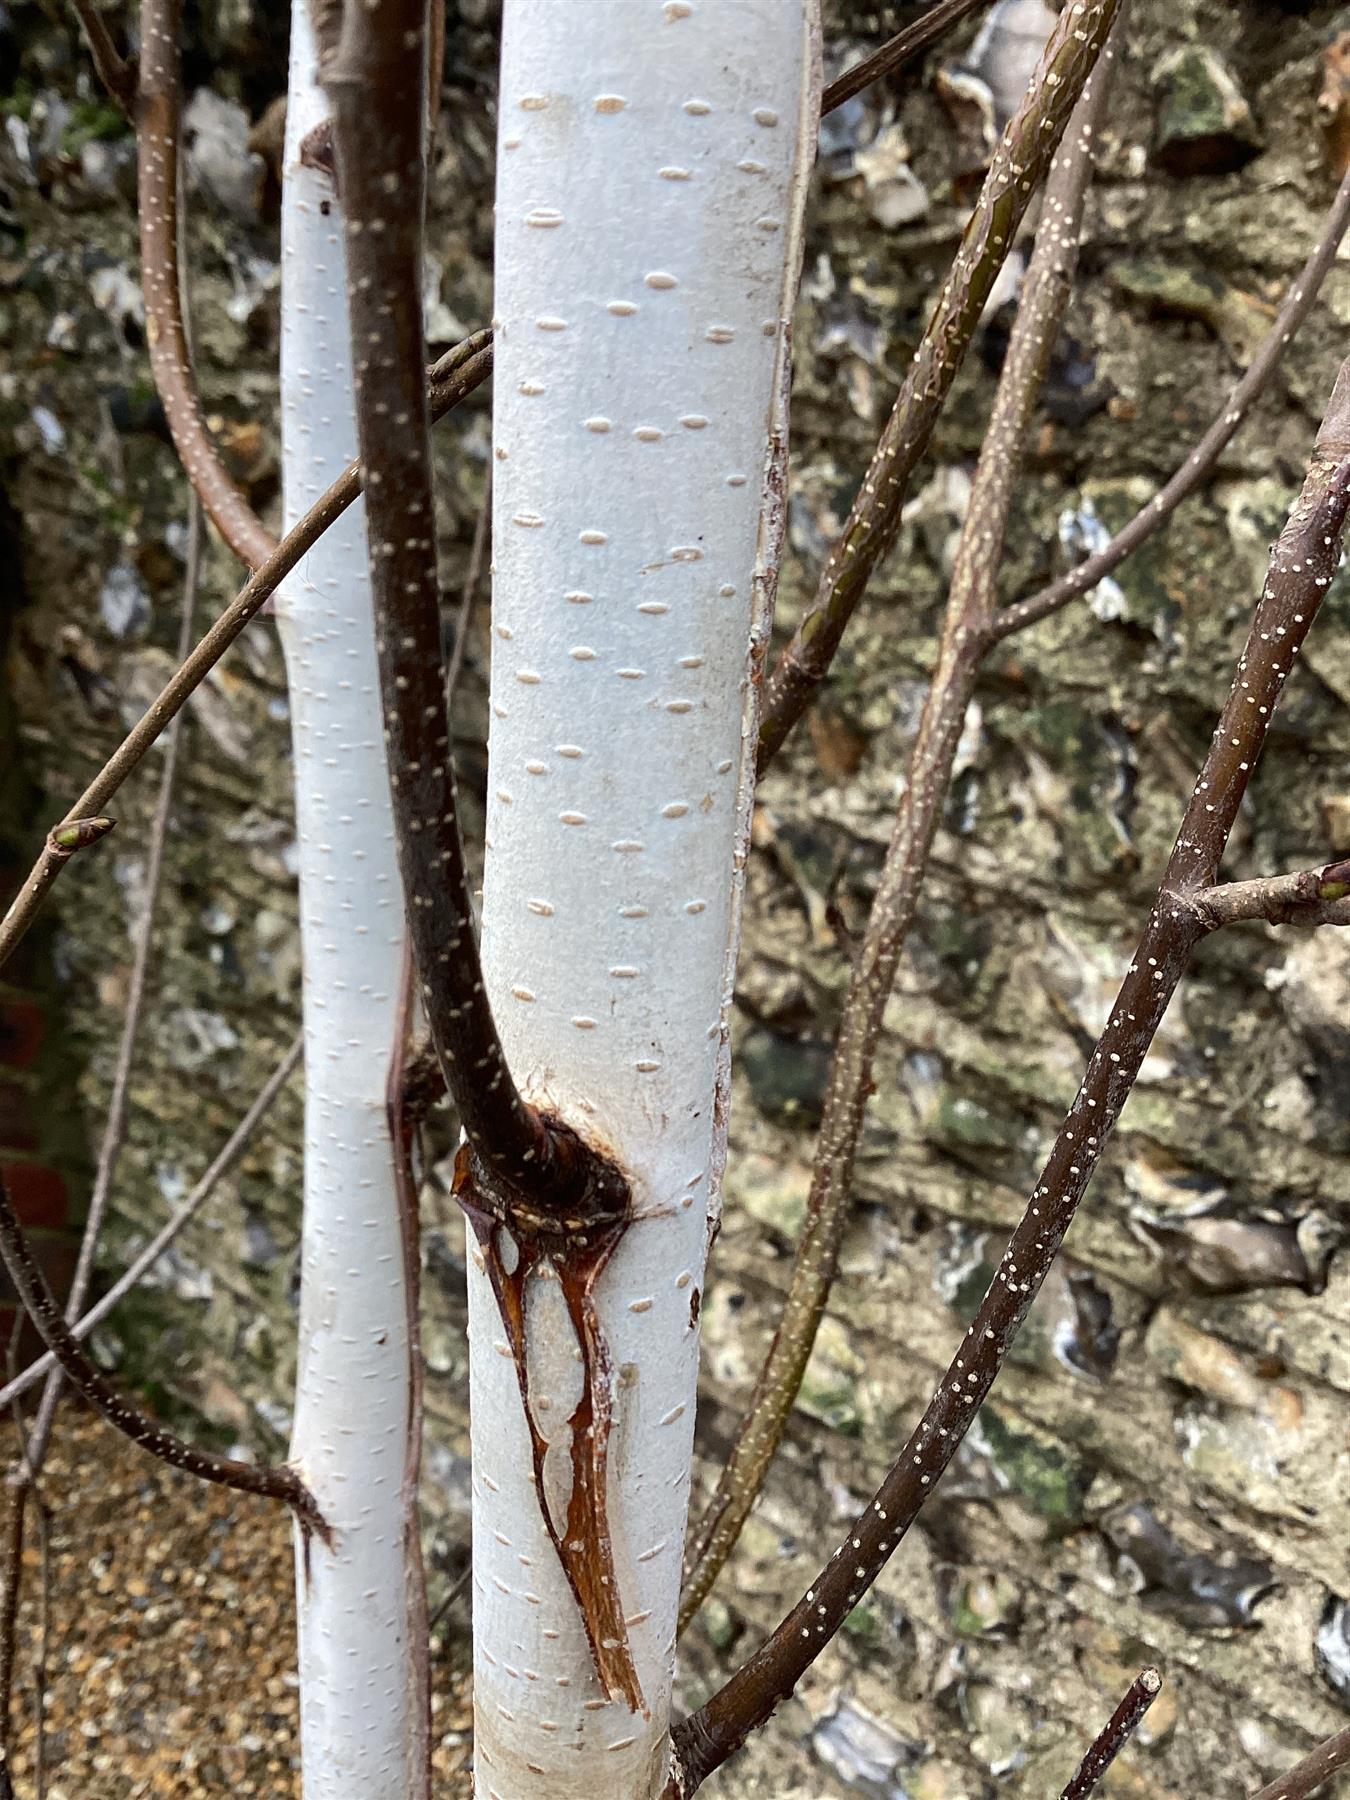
pixel 899 50
pixel 401 1135
pixel 452 379
pixel 1317 1767
pixel 1298 303
pixel 1310 897
pixel 1302 566
pixel 1045 295
pixel 1021 160
pixel 24 1478
pixel 223 1161
pixel 249 1478
pixel 16 1519
pixel 158 112
pixel 114 71
pixel 482 531
pixel 375 76
pixel 1115 1734
pixel 42 1514
pixel 114 1127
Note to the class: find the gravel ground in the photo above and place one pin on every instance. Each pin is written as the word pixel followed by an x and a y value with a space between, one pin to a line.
pixel 170 1656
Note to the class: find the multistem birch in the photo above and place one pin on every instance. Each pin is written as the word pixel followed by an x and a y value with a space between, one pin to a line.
pixel 652 175
pixel 364 1705
pixel 158 115
pixel 1020 163
pixel 1114 1735
pixel 1302 566
pixel 970 604
pixel 453 378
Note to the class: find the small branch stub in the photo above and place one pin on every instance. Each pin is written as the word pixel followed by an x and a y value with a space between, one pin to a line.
pixel 1115 1734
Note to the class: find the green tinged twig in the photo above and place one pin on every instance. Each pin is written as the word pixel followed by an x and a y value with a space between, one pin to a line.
pixel 1298 303
pixel 1115 1734
pixel 1020 162
pixel 1302 566
pixel 452 379
pixel 970 604
pixel 1317 1768
pixel 899 50
pixel 1310 897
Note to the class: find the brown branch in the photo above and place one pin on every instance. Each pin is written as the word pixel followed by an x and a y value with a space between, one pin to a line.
pixel 114 1128
pixel 112 68
pixel 401 1138
pixel 1021 160
pixel 900 49
pixel 1311 897
pixel 30 1284
pixel 220 1166
pixel 1304 1779
pixel 1298 303
pixel 24 1477
pixel 1115 1734
pixel 375 76
pixel 1045 295
pixel 158 112
pixel 454 377
pixel 1302 566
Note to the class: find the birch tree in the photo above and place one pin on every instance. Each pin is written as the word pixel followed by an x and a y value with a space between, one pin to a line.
pixel 652 175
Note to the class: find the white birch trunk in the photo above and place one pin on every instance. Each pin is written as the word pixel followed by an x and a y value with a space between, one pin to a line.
pixel 362 1736
pixel 651 162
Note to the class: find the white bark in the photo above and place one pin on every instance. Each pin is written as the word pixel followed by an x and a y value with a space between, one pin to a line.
pixel 361 1719
pixel 651 161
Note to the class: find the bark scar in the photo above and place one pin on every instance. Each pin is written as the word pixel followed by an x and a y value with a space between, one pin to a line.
pixel 576 1242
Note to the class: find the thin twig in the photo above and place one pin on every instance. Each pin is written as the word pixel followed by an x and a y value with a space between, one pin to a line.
pixel 158 113
pixel 410 1241
pixel 374 73
pixel 1302 566
pixel 469 592
pixel 1316 1768
pixel 1115 1734
pixel 17 1488
pixel 278 1483
pixel 905 45
pixel 456 376
pixel 224 1160
pixel 1298 303
pixel 1021 160
pixel 1045 295
pixel 24 1478
pixel 42 1513
pixel 114 71
pixel 114 1126
pixel 1310 897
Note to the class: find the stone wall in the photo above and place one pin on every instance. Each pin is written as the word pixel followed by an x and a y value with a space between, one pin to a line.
pixel 1157 1477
